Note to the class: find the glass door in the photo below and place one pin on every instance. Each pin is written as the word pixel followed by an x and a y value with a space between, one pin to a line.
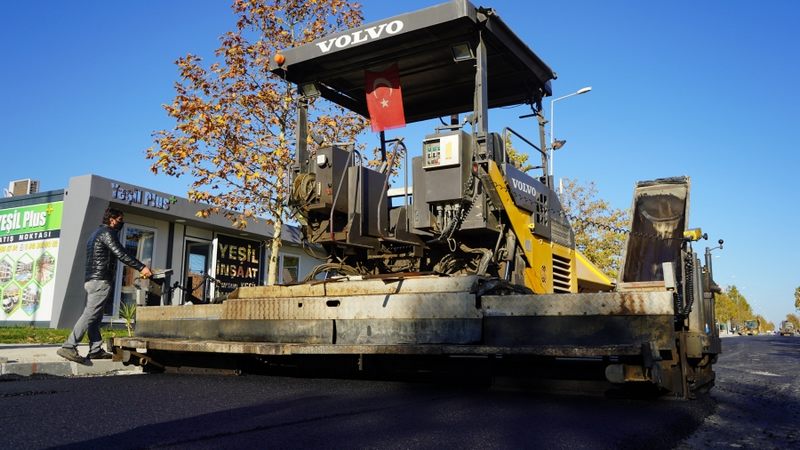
pixel 197 264
pixel 138 241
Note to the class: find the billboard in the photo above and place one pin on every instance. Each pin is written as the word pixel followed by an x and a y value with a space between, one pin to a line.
pixel 29 237
pixel 238 263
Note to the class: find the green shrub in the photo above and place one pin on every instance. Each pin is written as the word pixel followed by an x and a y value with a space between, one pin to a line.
pixel 128 312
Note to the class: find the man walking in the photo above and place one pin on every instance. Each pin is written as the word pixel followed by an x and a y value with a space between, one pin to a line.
pixel 102 251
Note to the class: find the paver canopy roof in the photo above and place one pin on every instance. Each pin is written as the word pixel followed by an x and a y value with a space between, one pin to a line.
pixel 421 44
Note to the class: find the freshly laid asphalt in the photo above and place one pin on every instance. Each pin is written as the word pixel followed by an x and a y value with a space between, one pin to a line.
pixel 41 359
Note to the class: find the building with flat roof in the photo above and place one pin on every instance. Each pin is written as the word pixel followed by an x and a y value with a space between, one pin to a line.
pixel 43 239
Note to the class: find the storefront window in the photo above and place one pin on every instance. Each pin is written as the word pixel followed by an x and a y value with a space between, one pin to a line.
pixel 138 242
pixel 290 268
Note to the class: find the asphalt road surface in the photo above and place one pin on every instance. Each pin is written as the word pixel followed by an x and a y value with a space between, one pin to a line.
pixel 757 396
pixel 754 405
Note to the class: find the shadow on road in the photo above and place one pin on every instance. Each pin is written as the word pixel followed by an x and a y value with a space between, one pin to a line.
pixel 369 414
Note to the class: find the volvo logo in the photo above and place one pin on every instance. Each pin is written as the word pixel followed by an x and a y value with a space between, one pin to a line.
pixel 361 36
pixel 523 187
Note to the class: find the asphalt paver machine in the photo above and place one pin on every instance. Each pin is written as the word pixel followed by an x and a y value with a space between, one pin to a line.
pixel 475 259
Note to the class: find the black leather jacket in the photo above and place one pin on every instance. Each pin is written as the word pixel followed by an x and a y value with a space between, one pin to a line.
pixel 102 251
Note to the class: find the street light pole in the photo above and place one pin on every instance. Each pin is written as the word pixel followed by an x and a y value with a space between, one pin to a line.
pixel 553 121
pixel 708 257
pixel 711 284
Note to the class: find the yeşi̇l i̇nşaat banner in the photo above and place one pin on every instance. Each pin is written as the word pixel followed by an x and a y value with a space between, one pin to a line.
pixel 29 237
pixel 238 263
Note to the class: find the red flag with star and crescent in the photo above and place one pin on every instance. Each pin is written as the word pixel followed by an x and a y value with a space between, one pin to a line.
pixel 385 99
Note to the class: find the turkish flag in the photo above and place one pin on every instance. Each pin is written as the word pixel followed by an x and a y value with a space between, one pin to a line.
pixel 385 99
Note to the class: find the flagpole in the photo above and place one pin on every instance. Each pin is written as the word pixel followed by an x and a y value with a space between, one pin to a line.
pixel 383 146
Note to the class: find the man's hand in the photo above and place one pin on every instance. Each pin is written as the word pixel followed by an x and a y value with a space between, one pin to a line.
pixel 146 272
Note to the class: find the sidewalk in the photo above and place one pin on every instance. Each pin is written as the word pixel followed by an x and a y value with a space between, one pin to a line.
pixel 30 359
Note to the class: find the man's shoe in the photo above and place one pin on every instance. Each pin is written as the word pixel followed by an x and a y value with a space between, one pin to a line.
pixel 100 354
pixel 70 354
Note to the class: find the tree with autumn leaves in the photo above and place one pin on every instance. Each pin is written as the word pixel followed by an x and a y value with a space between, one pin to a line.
pixel 731 305
pixel 797 298
pixel 598 227
pixel 794 320
pixel 235 121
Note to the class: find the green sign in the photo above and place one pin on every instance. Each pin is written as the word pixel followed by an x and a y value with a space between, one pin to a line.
pixel 29 239
pixel 31 219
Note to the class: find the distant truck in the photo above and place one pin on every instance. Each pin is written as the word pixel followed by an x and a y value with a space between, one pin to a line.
pixel 787 328
pixel 750 328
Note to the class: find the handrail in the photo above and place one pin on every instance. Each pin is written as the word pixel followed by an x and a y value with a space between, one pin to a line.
pixel 507 129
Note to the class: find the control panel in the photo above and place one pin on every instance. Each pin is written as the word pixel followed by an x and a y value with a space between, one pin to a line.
pixel 442 151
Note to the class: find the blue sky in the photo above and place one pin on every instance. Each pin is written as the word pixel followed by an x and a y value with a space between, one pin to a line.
pixel 705 89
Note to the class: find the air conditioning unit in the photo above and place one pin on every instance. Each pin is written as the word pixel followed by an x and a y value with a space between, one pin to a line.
pixel 23 187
